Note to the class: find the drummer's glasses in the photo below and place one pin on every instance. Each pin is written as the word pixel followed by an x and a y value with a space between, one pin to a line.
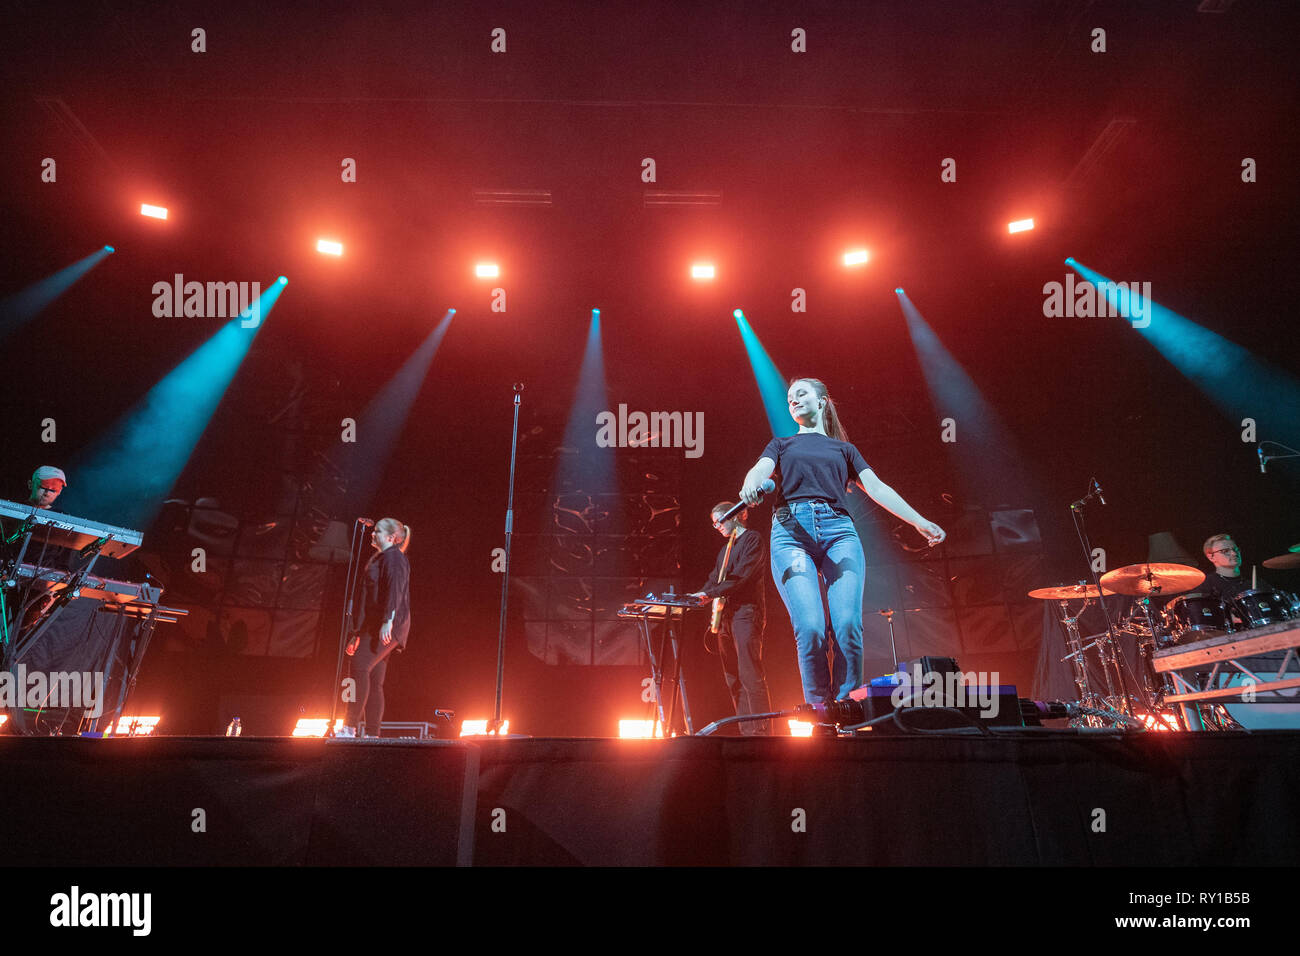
pixel 1233 550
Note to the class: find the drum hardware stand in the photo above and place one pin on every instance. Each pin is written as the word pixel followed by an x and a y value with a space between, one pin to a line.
pixel 1087 697
pixel 1117 691
pixel 1151 695
pixel 1155 692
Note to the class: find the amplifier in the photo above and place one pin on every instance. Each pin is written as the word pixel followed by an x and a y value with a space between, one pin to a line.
pixel 992 705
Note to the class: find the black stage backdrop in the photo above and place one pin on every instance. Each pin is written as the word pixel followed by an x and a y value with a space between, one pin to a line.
pixel 837 146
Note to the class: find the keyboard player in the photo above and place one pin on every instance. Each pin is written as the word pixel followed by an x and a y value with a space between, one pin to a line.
pixel 47 484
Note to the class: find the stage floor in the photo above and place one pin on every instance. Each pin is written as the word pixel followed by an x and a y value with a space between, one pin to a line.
pixel 1022 798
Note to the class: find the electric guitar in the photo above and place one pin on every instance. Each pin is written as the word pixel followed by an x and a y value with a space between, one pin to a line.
pixel 715 619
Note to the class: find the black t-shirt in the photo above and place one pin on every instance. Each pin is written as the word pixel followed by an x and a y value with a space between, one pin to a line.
pixel 1226 588
pixel 386 593
pixel 811 466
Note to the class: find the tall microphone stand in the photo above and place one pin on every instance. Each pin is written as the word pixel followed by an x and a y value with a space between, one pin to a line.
pixel 495 726
pixel 1111 664
pixel 349 593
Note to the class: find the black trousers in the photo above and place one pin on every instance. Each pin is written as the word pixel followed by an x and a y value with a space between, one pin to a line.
pixel 740 645
pixel 367 667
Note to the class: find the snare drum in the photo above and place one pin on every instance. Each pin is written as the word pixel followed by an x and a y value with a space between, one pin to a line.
pixel 1257 608
pixel 1196 614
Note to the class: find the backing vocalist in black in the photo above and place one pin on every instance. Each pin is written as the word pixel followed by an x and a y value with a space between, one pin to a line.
pixel 381 627
pixel 737 581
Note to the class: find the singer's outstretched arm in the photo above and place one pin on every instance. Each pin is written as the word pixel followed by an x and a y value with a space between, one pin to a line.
pixel 761 471
pixel 893 502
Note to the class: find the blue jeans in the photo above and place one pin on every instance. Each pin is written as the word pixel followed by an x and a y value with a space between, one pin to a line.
pixel 814 541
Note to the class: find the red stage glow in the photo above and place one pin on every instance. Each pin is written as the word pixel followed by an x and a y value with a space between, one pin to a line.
pixel 636 728
pixel 479 728
pixel 314 726
pixel 132 727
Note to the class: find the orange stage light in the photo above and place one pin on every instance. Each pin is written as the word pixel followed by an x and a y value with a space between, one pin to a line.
pixel 478 728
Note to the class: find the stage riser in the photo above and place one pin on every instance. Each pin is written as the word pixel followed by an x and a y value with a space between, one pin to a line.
pixel 266 802
pixel 1168 800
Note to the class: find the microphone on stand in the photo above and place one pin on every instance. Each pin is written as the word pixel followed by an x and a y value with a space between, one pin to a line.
pixel 766 488
pixel 1096 486
pixel 368 522
pixel 1260 452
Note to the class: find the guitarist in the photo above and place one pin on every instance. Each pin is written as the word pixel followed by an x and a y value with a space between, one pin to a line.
pixel 739 613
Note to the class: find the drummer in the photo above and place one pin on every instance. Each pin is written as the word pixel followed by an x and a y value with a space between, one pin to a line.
pixel 1227 581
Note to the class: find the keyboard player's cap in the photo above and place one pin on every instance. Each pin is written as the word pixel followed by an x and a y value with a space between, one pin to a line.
pixel 46 472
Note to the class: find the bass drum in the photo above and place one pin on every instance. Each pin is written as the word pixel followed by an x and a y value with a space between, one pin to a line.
pixel 1257 608
pixel 1272 710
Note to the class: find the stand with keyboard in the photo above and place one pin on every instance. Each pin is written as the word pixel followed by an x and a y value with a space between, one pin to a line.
pixel 667 611
pixel 33 594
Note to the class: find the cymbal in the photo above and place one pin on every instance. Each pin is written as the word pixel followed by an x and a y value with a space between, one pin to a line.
pixel 1283 562
pixel 1143 579
pixel 1069 592
pixel 1294 548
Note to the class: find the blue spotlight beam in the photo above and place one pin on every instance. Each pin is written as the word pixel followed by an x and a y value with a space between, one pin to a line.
pixel 124 477
pixel 21 307
pixel 385 416
pixel 1240 384
pixel 772 388
pixel 985 447
pixel 585 465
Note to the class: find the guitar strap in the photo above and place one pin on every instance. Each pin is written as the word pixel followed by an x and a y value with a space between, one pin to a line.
pixel 726 558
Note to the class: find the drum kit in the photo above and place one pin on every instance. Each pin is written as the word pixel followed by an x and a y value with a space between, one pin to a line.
pixel 1187 615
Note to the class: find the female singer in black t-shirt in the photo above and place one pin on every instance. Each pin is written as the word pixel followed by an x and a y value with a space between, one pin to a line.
pixel 812 535
pixel 382 627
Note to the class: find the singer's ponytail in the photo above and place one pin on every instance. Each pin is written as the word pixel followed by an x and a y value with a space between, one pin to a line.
pixel 830 417
pixel 394 527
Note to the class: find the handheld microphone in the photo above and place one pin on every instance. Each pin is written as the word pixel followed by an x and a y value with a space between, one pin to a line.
pixel 766 488
pixel 1260 452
